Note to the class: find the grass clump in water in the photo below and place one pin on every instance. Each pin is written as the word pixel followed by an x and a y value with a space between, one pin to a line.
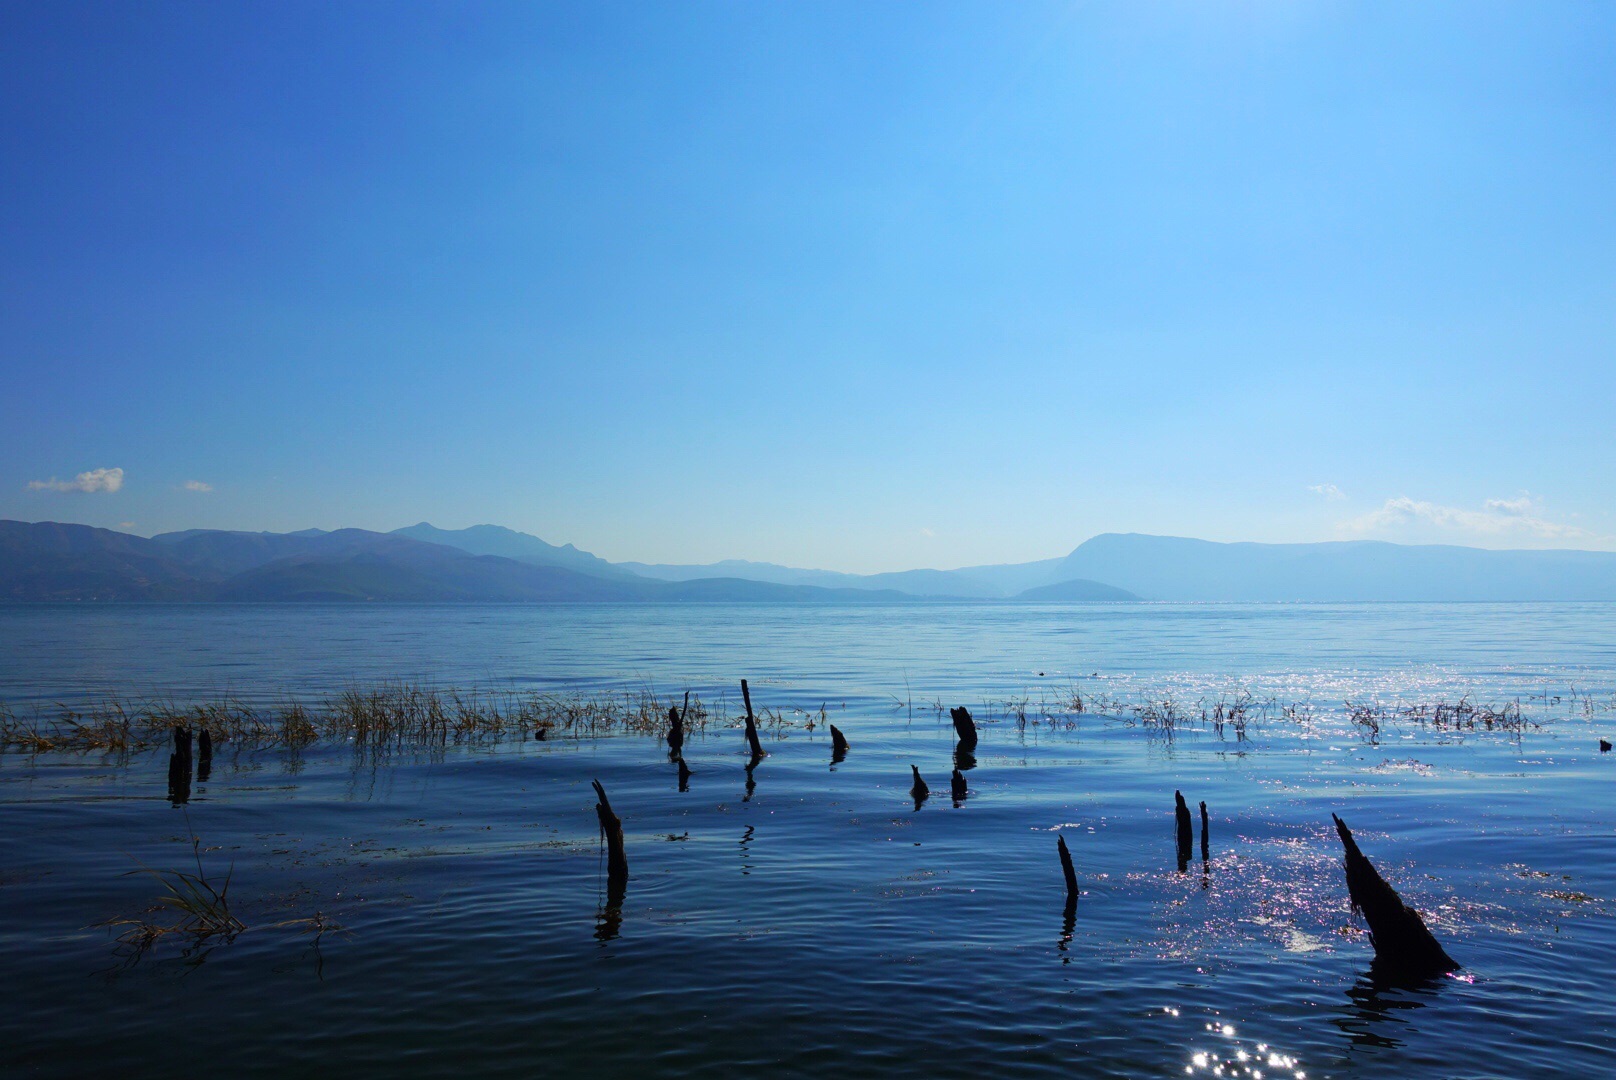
pixel 387 714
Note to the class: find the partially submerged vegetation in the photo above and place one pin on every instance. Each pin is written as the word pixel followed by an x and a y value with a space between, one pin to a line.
pixel 193 911
pixel 1240 714
pixel 389 714
pixel 403 713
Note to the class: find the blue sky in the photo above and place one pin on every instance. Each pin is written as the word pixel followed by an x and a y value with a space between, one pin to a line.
pixel 860 286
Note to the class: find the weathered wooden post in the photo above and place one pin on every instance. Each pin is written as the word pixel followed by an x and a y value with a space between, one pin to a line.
pixel 920 789
pixel 838 743
pixel 1186 832
pixel 179 767
pixel 1206 848
pixel 612 826
pixel 957 784
pixel 676 726
pixel 1067 868
pixel 751 723
pixel 1403 945
pixel 964 727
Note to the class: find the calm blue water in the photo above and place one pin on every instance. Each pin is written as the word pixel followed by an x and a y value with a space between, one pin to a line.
pixel 819 923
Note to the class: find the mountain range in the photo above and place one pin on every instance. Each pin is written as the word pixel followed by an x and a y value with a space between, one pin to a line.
pixel 51 561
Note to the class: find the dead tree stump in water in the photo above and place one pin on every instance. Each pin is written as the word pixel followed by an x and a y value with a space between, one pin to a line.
pixel 751 723
pixel 676 726
pixel 1186 832
pixel 179 767
pixel 838 743
pixel 612 826
pixel 964 727
pixel 1404 946
pixel 957 785
pixel 1206 848
pixel 1067 868
pixel 920 789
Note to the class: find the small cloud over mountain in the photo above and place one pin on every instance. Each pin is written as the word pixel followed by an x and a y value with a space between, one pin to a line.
pixel 95 480
pixel 1496 517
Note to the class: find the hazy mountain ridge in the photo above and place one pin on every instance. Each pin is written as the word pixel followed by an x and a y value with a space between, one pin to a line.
pixel 50 561
pixel 521 546
pixel 979 582
pixel 1179 568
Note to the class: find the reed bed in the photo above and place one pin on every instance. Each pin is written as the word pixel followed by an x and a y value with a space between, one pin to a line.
pixel 389 714
pixel 1238 715
pixel 410 714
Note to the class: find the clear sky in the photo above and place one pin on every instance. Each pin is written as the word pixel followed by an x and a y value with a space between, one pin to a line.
pixel 861 286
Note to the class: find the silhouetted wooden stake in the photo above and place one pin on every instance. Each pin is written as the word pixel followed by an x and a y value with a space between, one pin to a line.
pixel 838 741
pixel 612 826
pixel 751 724
pixel 1066 868
pixel 1604 746
pixel 676 726
pixel 920 789
pixel 964 727
pixel 958 784
pixel 1403 944
pixel 1206 848
pixel 1186 832
pixel 182 743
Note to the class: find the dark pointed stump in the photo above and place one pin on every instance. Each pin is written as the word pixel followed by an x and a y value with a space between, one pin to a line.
pixel 751 724
pixel 1404 947
pixel 920 789
pixel 838 743
pixel 957 784
pixel 1206 847
pixel 1604 746
pixel 612 826
pixel 1186 832
pixel 676 726
pixel 964 727
pixel 1067 869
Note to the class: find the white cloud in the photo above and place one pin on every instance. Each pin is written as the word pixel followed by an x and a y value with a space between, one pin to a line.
pixel 1497 517
pixel 198 485
pixel 92 481
pixel 1512 507
pixel 1329 491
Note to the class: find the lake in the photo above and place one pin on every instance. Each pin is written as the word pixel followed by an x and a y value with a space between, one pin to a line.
pixel 806 917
